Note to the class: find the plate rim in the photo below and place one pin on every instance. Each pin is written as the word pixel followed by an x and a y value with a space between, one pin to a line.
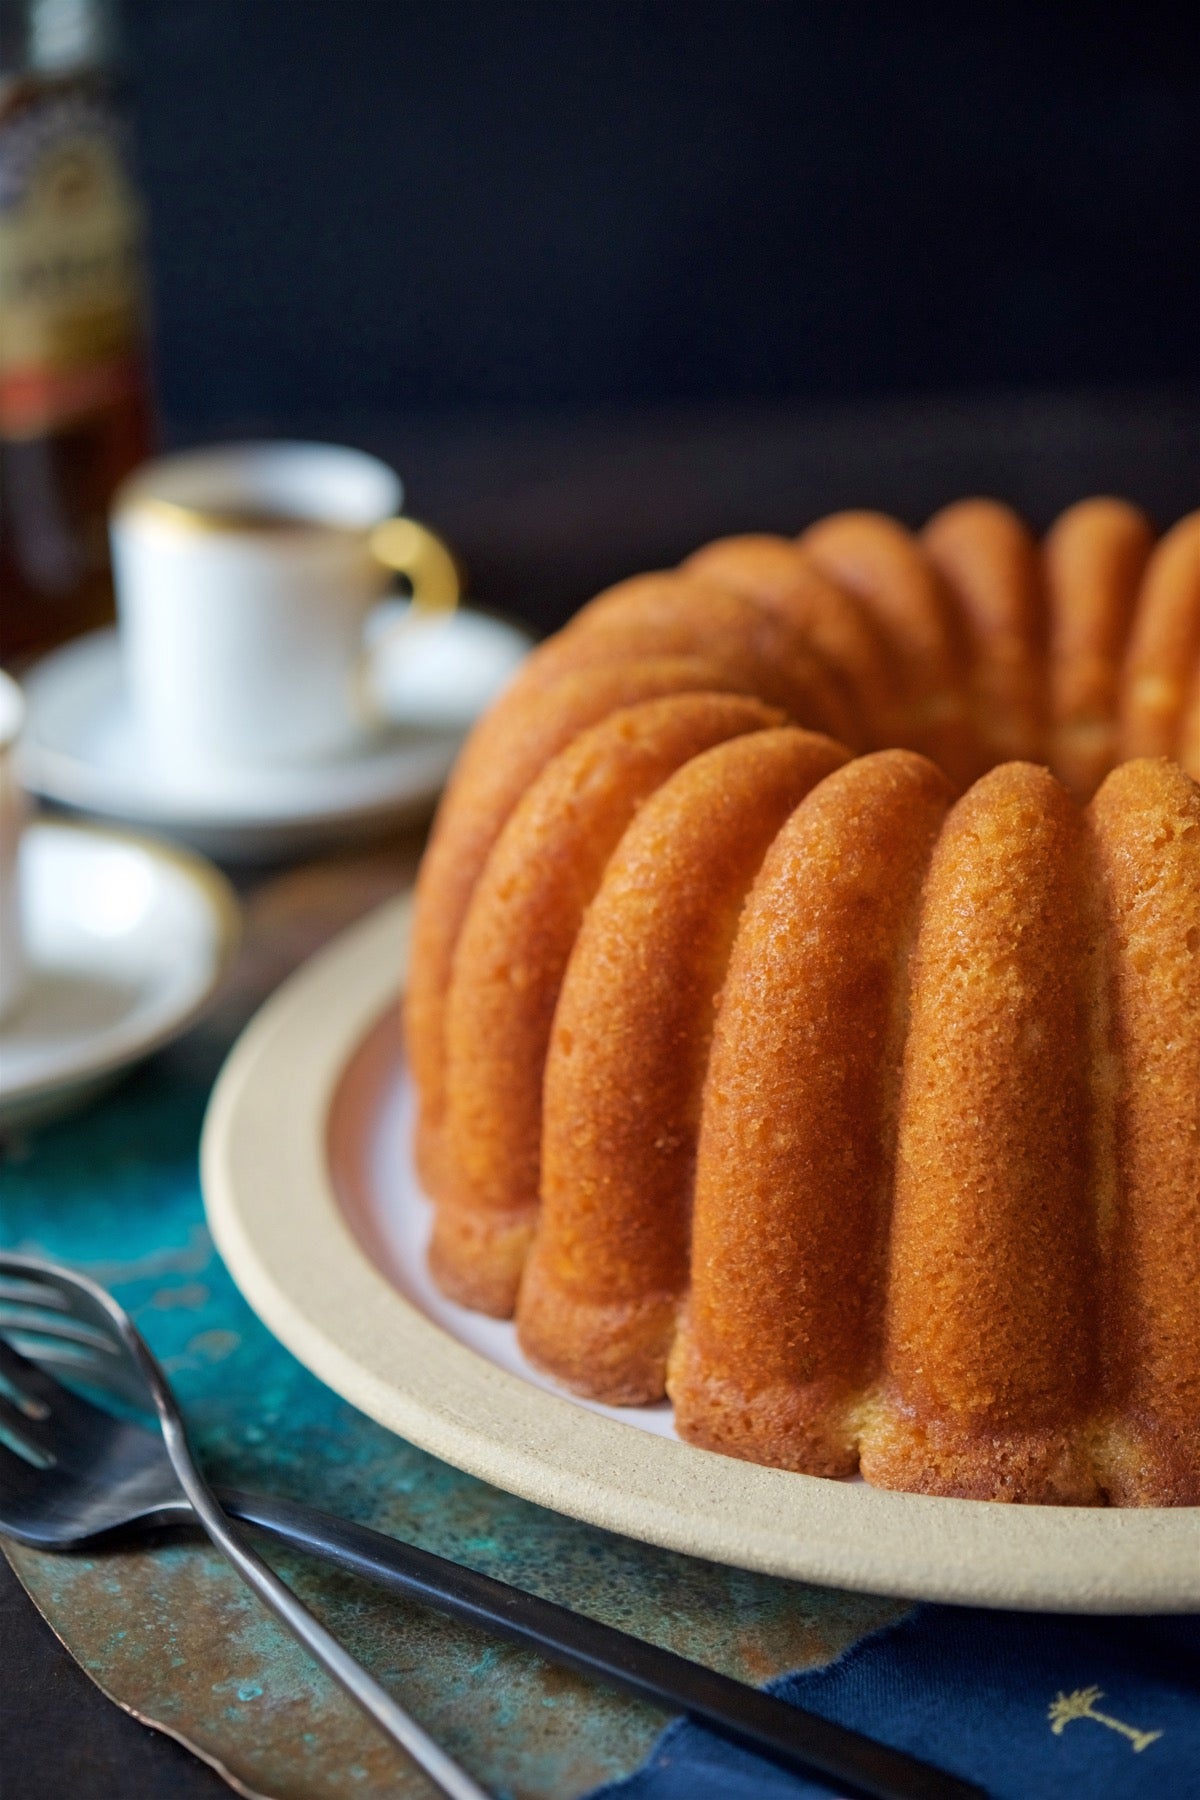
pixel 276 1220
pixel 224 912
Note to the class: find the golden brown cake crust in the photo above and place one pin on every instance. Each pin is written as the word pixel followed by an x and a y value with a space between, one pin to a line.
pixel 1022 1025
pixel 507 750
pixel 1094 556
pixel 795 1160
pixel 1145 823
pixel 669 613
pixel 989 560
pixel 775 571
pixel 1189 736
pixel 877 559
pixel 627 1057
pixel 758 563
pixel 988 1363
pixel 1164 647
pixel 509 963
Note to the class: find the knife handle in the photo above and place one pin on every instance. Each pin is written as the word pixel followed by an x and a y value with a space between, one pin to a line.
pixel 785 1733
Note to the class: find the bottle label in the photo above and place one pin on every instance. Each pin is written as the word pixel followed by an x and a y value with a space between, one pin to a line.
pixel 70 265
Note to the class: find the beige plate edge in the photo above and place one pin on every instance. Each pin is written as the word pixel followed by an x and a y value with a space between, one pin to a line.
pixel 276 1221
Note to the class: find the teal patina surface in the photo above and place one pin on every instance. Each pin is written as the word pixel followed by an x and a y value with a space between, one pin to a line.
pixel 167 1629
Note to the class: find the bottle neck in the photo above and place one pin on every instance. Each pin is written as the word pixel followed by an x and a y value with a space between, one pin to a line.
pixel 53 39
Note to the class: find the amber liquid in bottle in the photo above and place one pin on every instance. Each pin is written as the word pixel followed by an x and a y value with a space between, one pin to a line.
pixel 74 411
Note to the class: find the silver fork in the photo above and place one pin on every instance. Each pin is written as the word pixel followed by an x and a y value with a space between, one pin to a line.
pixel 88 1324
pixel 74 1474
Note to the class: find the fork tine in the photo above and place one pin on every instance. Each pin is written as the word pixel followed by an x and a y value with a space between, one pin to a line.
pixel 38 1393
pixel 35 1293
pixel 25 1436
pixel 30 1360
pixel 68 1291
pixel 74 1331
pixel 26 1385
pixel 60 1328
pixel 44 1354
pixel 17 1458
pixel 57 1292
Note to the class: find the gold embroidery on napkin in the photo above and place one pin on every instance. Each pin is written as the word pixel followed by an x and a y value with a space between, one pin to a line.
pixel 1080 1705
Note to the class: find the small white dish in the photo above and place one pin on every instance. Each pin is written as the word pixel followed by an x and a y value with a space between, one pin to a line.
pixel 125 940
pixel 81 747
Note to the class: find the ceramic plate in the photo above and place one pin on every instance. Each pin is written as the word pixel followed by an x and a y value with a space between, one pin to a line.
pixel 125 940
pixel 314 1205
pixel 81 749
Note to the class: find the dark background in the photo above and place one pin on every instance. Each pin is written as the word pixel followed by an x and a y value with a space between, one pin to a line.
pixel 392 207
pixel 606 278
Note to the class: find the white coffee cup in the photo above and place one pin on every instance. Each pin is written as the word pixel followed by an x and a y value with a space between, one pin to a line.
pixel 12 817
pixel 245 578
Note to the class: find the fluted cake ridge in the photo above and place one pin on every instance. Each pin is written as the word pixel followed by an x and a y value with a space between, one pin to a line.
pixel 805 1003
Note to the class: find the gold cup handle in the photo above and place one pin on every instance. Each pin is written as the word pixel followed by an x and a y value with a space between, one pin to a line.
pixel 413 550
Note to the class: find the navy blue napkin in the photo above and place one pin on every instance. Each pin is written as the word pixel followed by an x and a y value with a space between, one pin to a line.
pixel 1029 1706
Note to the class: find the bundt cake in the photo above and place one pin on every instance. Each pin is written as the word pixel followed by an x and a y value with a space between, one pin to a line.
pixel 804 1004
pixel 511 957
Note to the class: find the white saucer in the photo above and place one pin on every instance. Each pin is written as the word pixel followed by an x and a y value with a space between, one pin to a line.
pixel 125 940
pixel 80 748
